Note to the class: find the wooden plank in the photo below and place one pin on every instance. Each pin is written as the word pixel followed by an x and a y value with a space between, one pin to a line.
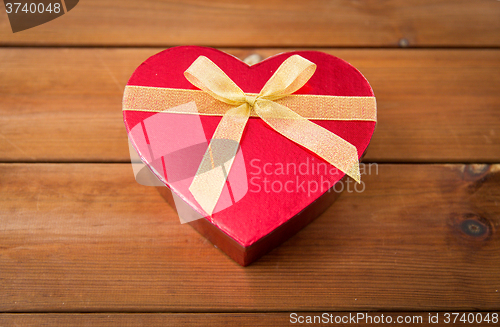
pixel 88 238
pixel 241 319
pixel 291 23
pixel 434 105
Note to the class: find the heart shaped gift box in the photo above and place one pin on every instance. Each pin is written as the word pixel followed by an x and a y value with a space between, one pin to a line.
pixel 248 183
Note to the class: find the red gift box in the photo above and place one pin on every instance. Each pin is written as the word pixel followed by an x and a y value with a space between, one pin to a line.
pixel 274 186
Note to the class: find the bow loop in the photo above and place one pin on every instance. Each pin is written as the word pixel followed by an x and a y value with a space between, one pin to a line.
pixel 207 76
pixel 288 78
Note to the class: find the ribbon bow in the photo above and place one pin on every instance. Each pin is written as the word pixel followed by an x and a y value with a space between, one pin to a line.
pixel 293 73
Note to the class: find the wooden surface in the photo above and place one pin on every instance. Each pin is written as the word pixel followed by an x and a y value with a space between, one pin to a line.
pixel 87 237
pixel 264 23
pixel 82 244
pixel 207 319
pixel 434 105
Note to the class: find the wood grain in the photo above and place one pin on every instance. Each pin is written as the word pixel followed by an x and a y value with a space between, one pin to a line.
pixel 221 319
pixel 433 105
pixel 264 23
pixel 88 238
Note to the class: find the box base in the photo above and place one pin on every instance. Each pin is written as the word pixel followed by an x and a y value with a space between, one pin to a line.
pixel 246 255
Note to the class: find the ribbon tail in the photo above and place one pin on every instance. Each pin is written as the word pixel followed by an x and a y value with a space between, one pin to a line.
pixel 334 149
pixel 212 173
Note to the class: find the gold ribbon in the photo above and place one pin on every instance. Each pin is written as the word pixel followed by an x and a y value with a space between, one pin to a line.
pixel 310 106
pixel 221 96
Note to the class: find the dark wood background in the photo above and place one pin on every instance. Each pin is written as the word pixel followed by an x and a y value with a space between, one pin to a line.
pixel 81 243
